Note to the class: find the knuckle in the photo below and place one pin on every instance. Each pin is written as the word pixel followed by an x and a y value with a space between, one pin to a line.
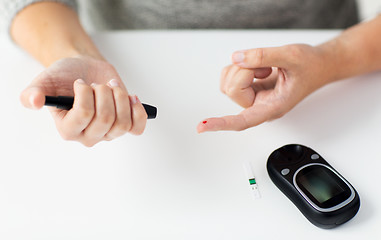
pixel 88 143
pixel 224 71
pixel 232 91
pixel 256 56
pixel 108 138
pixel 138 131
pixel 102 89
pixel 140 115
pixel 121 96
pixel 295 51
pixel 106 118
pixel 86 113
pixel 123 126
pixel 67 136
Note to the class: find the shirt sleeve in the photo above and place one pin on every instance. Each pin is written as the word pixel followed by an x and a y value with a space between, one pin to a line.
pixel 10 8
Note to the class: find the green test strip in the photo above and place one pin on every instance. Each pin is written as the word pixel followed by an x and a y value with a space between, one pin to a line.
pixel 252 181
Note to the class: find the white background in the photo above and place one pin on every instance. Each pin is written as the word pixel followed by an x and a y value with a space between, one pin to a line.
pixel 369 8
pixel 172 183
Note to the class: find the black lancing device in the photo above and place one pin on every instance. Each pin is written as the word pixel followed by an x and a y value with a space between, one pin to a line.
pixel 66 103
pixel 323 196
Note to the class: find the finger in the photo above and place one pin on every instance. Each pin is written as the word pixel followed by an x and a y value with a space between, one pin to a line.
pixel 123 120
pixel 261 57
pixel 33 97
pixel 232 122
pixel 223 78
pixel 262 72
pixel 71 123
pixel 266 83
pixel 229 75
pixel 276 104
pixel 239 87
pixel 247 118
pixel 104 116
pixel 139 116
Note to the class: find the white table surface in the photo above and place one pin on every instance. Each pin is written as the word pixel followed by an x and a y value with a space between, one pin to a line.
pixel 172 183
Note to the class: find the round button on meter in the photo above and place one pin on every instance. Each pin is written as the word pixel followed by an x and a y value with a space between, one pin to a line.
pixel 285 171
pixel 314 156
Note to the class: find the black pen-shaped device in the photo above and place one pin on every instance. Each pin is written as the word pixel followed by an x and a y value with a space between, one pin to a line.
pixel 66 103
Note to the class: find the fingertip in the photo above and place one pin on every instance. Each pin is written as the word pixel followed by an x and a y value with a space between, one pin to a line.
pixel 139 116
pixel 32 98
pixel 208 125
pixel 137 106
pixel 201 127
pixel 226 123
pixel 37 100
pixel 238 57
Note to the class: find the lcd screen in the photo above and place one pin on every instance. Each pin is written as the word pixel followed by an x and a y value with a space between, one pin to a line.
pixel 321 183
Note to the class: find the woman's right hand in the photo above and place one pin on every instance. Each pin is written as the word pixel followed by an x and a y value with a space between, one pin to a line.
pixel 102 109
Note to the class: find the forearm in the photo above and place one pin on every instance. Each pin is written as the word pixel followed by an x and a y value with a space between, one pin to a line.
pixel 356 51
pixel 50 31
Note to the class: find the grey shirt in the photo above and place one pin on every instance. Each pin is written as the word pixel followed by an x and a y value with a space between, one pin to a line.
pixel 203 14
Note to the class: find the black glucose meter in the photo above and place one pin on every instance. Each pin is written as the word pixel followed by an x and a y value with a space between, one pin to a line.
pixel 324 197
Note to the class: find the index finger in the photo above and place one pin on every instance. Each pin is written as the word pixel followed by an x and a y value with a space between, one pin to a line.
pixel 247 118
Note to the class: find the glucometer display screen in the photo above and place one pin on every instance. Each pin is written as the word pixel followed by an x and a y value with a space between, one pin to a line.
pixel 322 186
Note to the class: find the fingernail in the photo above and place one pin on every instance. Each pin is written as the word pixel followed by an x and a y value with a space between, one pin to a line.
pixel 238 57
pixel 113 83
pixel 80 81
pixel 204 122
pixel 134 99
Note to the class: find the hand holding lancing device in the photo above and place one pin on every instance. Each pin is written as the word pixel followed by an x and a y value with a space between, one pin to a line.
pixel 283 77
pixel 102 110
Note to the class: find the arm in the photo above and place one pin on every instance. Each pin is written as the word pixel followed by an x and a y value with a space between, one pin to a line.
pixel 286 75
pixel 102 109
pixel 50 31
pixel 356 51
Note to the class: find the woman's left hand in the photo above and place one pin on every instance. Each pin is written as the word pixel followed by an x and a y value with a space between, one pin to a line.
pixel 268 82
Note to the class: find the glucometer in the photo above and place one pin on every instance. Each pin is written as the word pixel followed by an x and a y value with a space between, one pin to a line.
pixel 324 197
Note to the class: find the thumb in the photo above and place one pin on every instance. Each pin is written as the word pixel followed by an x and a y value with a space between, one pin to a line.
pixel 33 97
pixel 261 57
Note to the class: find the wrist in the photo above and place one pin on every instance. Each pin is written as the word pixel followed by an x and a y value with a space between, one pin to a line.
pixel 334 61
pixel 68 49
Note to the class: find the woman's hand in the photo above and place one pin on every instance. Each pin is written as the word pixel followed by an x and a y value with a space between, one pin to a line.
pixel 102 109
pixel 268 83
